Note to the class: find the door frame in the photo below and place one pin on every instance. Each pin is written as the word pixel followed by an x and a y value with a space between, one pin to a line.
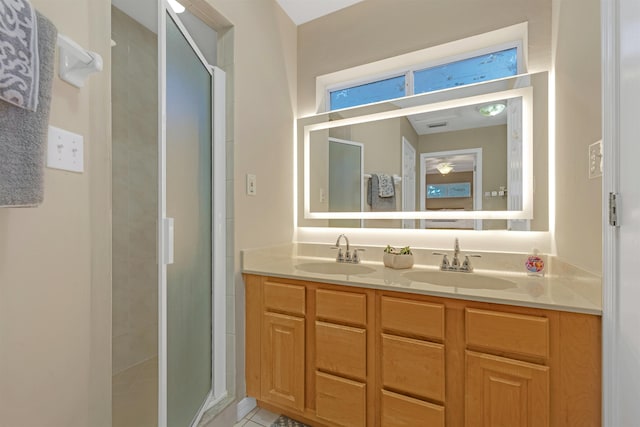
pixel 477 180
pixel 407 147
pixel 611 89
pixel 218 390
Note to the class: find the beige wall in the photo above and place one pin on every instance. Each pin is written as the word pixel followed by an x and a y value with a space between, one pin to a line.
pixel 55 312
pixel 578 124
pixel 376 29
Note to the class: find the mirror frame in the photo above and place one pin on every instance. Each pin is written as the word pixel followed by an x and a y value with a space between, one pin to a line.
pixel 526 93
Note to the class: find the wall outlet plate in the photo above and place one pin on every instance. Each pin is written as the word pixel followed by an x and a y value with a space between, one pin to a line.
pixel 595 160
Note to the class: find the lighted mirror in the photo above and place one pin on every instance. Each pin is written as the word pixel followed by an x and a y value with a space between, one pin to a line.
pixel 461 158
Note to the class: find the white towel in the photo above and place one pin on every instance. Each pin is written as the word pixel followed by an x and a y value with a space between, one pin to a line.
pixel 19 60
pixel 385 185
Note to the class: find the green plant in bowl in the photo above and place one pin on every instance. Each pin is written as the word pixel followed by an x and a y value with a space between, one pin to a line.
pixel 398 258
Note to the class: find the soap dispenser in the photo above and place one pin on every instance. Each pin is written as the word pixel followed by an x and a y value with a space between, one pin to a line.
pixel 534 264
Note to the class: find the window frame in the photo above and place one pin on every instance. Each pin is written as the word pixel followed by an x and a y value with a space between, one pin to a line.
pixel 515 36
pixel 371 79
pixel 409 73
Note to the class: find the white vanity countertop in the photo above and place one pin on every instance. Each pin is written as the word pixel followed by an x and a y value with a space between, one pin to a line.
pixel 563 287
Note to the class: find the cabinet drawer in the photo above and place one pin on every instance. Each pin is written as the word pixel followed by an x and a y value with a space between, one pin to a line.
pixel 341 350
pixel 413 367
pixel 422 319
pixel 514 333
pixel 404 411
pixel 284 298
pixel 338 306
pixel 341 401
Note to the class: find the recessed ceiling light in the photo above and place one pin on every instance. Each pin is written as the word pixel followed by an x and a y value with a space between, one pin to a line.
pixel 176 6
pixel 491 110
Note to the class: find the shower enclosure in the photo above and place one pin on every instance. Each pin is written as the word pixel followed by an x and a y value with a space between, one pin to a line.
pixel 168 217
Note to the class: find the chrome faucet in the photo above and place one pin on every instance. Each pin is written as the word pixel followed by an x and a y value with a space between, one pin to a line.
pixel 347 256
pixel 455 265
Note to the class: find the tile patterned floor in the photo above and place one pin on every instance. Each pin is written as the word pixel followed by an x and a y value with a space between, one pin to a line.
pixel 258 417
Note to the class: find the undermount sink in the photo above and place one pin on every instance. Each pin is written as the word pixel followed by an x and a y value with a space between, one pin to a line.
pixel 334 268
pixel 459 280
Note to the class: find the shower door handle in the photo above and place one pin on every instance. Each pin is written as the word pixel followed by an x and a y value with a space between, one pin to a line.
pixel 167 251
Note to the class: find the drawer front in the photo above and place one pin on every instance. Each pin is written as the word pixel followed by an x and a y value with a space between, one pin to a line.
pixel 284 298
pixel 341 350
pixel 404 411
pixel 413 367
pixel 514 333
pixel 341 307
pixel 341 401
pixel 422 319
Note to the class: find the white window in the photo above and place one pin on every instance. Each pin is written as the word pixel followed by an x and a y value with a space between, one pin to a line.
pixel 485 57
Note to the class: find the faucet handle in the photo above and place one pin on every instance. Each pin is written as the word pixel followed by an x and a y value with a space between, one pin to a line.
pixel 466 265
pixel 445 261
pixel 340 256
pixel 355 257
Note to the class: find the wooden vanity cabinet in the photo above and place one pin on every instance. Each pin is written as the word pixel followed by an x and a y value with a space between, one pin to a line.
pixel 334 356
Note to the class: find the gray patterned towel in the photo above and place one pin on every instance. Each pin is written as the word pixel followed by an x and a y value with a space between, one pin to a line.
pixel 23 133
pixel 19 60
pixel 385 185
pixel 377 203
pixel 287 422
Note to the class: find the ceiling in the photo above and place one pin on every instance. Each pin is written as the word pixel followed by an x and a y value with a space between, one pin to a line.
pixel 453 119
pixel 301 11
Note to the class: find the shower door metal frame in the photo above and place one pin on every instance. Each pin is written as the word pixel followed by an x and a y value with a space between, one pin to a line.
pixel 218 391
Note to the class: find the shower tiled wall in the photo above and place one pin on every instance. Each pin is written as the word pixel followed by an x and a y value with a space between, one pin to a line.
pixel 135 172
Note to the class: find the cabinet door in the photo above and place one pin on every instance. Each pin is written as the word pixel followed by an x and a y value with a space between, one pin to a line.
pixel 503 392
pixel 283 360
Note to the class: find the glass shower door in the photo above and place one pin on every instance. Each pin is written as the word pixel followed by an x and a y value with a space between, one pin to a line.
pixel 188 201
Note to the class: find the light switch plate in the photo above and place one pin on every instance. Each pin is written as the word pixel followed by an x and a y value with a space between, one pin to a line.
pixel 65 150
pixel 595 160
pixel 251 185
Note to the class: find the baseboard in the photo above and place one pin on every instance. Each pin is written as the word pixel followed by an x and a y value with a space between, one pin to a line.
pixel 245 406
